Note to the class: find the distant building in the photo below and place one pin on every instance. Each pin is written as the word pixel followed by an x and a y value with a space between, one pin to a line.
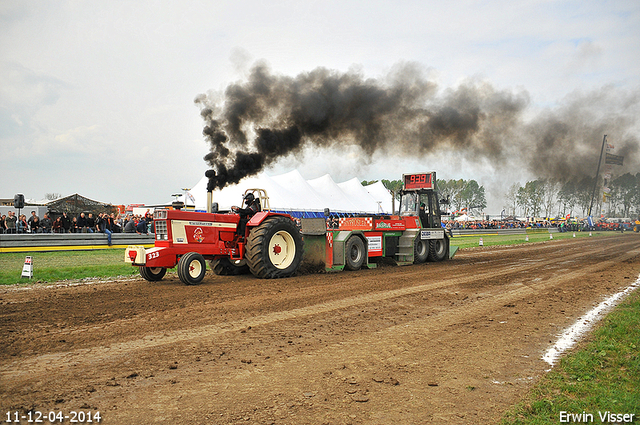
pixel 76 204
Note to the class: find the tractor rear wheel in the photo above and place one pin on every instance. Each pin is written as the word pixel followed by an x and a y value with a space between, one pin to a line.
pixel 420 250
pixel 226 267
pixel 191 268
pixel 274 248
pixel 152 274
pixel 354 253
pixel 438 249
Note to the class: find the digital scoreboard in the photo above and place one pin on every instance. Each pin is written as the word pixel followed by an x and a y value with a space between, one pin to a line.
pixel 419 181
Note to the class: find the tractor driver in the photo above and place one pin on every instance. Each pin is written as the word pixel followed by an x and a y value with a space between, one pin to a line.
pixel 424 221
pixel 253 206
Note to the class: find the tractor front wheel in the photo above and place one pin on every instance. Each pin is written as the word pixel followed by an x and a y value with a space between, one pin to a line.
pixel 191 268
pixel 274 248
pixel 226 267
pixel 152 274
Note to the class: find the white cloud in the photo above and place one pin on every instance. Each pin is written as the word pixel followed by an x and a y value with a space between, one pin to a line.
pixel 113 83
pixel 80 140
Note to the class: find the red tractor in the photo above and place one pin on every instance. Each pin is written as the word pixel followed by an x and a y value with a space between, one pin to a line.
pixel 268 244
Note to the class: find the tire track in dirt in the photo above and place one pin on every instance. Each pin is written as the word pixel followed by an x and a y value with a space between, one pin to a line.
pixel 457 342
pixel 110 353
pixel 41 363
pixel 369 368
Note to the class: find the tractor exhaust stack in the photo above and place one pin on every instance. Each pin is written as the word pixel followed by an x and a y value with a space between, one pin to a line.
pixel 211 175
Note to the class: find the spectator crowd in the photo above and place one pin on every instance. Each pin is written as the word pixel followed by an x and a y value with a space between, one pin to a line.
pixel 561 225
pixel 83 223
pixel 496 224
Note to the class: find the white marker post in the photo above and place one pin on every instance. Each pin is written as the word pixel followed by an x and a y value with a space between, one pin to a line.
pixel 27 269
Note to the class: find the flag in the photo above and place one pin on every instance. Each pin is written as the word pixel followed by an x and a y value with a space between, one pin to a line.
pixel 590 221
pixel 613 159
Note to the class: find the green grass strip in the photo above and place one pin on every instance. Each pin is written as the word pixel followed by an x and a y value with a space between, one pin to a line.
pixel 469 241
pixel 64 265
pixel 600 379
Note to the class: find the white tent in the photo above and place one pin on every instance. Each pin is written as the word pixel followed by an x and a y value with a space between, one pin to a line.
pixel 463 217
pixel 359 195
pixel 334 198
pixel 292 193
pixel 305 196
pixel 381 195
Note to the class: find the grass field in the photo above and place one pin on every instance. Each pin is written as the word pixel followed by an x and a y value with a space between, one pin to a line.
pixel 604 376
pixel 65 265
pixel 469 241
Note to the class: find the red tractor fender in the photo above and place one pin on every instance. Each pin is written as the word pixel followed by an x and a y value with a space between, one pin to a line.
pixel 259 217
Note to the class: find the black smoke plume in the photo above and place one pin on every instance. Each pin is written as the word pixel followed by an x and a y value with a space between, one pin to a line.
pixel 254 123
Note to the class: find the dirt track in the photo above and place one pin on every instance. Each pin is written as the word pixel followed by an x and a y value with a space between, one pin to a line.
pixel 453 342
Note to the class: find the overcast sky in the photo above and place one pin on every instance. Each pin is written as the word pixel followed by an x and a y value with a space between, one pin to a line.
pixel 97 97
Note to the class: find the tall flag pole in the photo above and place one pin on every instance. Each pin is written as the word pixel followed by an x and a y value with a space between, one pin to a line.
pixel 595 184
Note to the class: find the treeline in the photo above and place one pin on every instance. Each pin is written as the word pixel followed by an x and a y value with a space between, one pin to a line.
pixel 619 198
pixel 461 193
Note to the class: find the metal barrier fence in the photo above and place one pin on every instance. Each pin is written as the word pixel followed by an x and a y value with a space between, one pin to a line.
pixel 41 242
pixel 519 231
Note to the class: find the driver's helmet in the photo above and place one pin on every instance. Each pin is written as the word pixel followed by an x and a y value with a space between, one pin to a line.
pixel 249 198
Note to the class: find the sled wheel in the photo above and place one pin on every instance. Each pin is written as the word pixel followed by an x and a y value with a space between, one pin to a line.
pixel 274 248
pixel 152 274
pixel 354 253
pixel 226 267
pixel 438 249
pixel 420 250
pixel 191 268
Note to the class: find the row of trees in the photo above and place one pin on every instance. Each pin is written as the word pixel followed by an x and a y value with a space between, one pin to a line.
pixel 549 198
pixel 544 197
pixel 461 193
